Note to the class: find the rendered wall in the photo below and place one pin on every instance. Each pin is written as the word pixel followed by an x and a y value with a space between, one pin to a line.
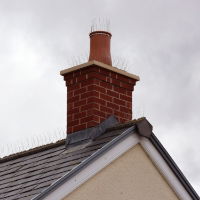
pixel 131 177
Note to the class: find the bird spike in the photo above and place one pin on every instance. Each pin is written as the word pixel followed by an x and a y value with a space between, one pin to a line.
pixel 100 24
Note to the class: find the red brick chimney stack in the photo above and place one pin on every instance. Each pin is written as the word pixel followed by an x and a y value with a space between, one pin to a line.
pixel 100 47
pixel 96 90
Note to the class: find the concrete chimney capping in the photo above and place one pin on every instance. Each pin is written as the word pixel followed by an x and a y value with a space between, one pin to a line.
pixel 94 92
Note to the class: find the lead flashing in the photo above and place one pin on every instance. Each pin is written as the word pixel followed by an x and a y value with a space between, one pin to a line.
pixel 100 64
pixel 91 133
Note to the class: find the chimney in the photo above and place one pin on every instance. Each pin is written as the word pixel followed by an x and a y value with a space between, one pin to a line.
pixel 96 90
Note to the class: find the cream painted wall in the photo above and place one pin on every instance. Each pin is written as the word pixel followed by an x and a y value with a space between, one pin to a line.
pixel 131 177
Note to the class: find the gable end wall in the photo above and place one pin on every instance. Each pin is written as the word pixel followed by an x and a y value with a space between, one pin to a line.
pixel 132 177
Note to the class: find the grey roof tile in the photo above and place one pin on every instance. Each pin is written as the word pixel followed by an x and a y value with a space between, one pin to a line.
pixel 24 176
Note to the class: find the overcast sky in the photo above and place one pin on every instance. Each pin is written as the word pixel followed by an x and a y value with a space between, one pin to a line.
pixel 159 39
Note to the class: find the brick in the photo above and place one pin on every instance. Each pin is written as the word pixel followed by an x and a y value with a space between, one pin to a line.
pixel 77 73
pixel 96 100
pixel 72 111
pixel 97 88
pixel 87 82
pixel 96 81
pixel 119 90
pixel 112 94
pixel 123 115
pixel 70 94
pixel 90 81
pixel 80 103
pixel 113 75
pixel 89 106
pixel 125 109
pixel 79 91
pixel 119 102
pixel 79 127
pixel 74 81
pixel 106 109
pixel 104 71
pixel 122 120
pixel 97 76
pixel 100 77
pixel 92 75
pixel 68 76
pixel 91 124
pixel 126 98
pixel 73 123
pixel 126 85
pixel 112 105
pixel 73 99
pixel 69 81
pixel 101 89
pixel 119 114
pixel 129 105
pixel 116 82
pixel 89 118
pixel 108 79
pixel 80 115
pixel 122 78
pixel 90 94
pixel 70 106
pixel 129 93
pixel 95 93
pixel 90 112
pixel 89 69
pixel 81 78
pixel 96 118
pixel 106 97
pixel 127 116
pixel 132 81
pixel 96 112
pixel 70 118
pixel 69 129
pixel 73 87
pixel 105 85
pixel 90 87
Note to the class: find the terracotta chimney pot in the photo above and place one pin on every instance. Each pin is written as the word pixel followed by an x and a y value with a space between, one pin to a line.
pixel 100 47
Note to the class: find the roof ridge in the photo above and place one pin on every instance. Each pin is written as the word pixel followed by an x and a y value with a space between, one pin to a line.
pixel 32 151
pixel 126 124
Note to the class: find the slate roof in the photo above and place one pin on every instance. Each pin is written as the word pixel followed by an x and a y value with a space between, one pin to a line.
pixel 27 174
pixel 32 174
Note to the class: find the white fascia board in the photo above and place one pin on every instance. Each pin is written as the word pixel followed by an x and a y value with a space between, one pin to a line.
pixel 93 168
pixel 164 169
pixel 112 154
